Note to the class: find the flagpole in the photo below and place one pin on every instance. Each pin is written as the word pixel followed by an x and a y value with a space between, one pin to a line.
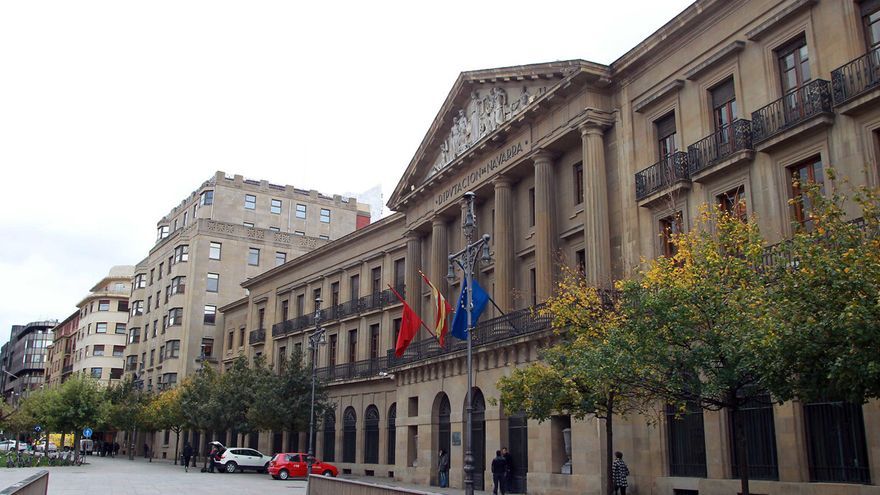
pixel 466 259
pixel 420 321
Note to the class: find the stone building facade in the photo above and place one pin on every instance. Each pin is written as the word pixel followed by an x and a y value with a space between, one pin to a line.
pixel 59 360
pixel 99 346
pixel 228 230
pixel 592 166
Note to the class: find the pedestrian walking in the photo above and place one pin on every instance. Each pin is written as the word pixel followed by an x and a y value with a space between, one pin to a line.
pixel 146 450
pixel 508 476
pixel 115 449
pixel 187 454
pixel 443 468
pixel 499 471
pixel 619 472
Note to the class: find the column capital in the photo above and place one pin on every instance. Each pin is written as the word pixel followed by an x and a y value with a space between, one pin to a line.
pixel 542 155
pixel 593 121
pixel 502 181
pixel 437 221
pixel 412 235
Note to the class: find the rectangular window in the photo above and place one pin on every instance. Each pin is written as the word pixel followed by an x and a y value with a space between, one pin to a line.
pixel 241 337
pixel 756 419
pixel 261 318
pixel 275 207
pixel 172 349
pixel 669 228
pixel 355 286
pixel 96 373
pixel 152 272
pixel 161 269
pixel 324 237
pixel 352 345
pixel 723 106
pixel 175 317
pixel 870 10
pixel 249 225
pixel 98 350
pixel 178 285
pixel 104 305
pixel 334 294
pixel 170 262
pixel 807 172
pixel 325 215
pixel 120 328
pixel 134 336
pixel 207 347
pixel 156 327
pixel 285 309
pixel 400 273
pixel 164 323
pixel 376 279
pixel 230 339
pixel 140 281
pixel 213 282
pixel 118 350
pixel 395 328
pixel 331 351
pixel 161 354
pixel 181 253
pixel 162 232
pixel 207 198
pixel 282 357
pixel 836 444
pixel 686 442
pixel 733 202
pixel 214 251
pixel 581 261
pixel 280 258
pixel 115 373
pixel 578 183
pixel 794 65
pixel 185 218
pixel 666 136
pixel 374 341
pixel 210 314
pixel 254 257
pixel 300 211
pixel 299 232
pixel 533 286
pixel 274 229
pixel 250 202
pixel 531 207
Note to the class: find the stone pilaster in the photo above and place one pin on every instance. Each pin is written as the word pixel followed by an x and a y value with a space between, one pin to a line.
pixel 439 253
pixel 503 244
pixel 597 236
pixel 545 225
pixel 413 279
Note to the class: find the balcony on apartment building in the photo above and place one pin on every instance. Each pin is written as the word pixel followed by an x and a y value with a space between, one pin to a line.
pixel 355 307
pixel 720 151
pixel 667 176
pixel 807 108
pixel 257 336
pixel 857 83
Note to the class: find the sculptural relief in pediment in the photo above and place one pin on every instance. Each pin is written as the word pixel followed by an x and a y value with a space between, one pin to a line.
pixel 486 111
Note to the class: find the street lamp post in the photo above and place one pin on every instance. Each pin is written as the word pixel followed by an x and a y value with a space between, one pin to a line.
pixel 315 341
pixel 466 259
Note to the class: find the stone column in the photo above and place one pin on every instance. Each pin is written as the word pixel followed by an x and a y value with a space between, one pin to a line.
pixel 597 236
pixel 545 225
pixel 503 244
pixel 413 279
pixel 439 253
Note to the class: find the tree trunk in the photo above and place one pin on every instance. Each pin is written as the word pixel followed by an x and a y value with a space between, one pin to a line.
pixel 132 443
pixel 609 444
pixel 742 455
pixel 176 445
pixel 76 452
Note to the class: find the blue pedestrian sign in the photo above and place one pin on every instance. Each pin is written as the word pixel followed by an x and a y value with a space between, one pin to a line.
pixel 87 432
pixel 38 429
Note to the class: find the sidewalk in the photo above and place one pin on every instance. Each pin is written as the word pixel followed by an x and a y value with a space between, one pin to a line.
pixel 381 481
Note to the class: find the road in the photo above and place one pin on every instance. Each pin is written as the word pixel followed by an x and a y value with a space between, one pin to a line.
pixel 120 476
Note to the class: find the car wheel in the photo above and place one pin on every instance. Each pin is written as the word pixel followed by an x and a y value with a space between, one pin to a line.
pixel 231 466
pixel 328 473
pixel 283 474
pixel 275 477
pixel 265 468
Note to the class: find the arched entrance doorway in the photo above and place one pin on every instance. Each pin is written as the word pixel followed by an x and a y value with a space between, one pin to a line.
pixel 371 435
pixel 518 437
pixel 442 414
pixel 392 433
pixel 478 442
pixel 349 435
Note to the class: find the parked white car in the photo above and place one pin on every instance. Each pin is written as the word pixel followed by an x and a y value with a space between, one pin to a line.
pixel 239 459
pixel 7 445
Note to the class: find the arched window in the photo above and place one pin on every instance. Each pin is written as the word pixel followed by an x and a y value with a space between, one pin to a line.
pixel 330 436
pixel 349 434
pixel 392 432
pixel 371 435
pixel 478 420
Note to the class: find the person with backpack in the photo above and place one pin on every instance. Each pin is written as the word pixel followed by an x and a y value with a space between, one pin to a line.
pixel 187 455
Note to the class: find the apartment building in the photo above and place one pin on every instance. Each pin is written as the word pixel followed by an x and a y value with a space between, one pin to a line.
pixel 228 230
pixel 59 353
pixel 99 346
pixel 23 359
pixel 593 166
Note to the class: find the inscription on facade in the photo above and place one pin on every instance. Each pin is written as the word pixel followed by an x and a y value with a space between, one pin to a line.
pixel 482 172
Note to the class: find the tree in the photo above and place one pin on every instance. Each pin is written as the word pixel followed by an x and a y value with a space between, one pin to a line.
pixel 235 394
pixel 282 402
pixel 588 373
pixel 126 404
pixel 80 402
pixel 825 297
pixel 697 323
pixel 199 402
pixel 164 411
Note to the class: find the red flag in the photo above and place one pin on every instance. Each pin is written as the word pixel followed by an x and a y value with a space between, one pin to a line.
pixel 408 327
pixel 442 308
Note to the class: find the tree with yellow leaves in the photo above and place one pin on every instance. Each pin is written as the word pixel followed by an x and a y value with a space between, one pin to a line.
pixel 165 411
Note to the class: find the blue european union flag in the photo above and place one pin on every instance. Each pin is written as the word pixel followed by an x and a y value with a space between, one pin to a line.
pixel 459 321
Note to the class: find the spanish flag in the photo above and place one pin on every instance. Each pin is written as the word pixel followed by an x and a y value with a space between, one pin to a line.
pixel 442 308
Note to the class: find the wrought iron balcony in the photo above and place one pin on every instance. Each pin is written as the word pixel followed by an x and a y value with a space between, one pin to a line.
pixel 366 368
pixel 372 302
pixel 663 174
pixel 292 325
pixel 720 145
pixel 804 103
pixel 257 336
pixel 856 77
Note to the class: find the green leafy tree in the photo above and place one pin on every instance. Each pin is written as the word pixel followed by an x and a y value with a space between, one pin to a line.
pixel 236 392
pixel 588 373
pixel 199 400
pixel 826 300
pixel 165 411
pixel 125 411
pixel 697 323
pixel 80 402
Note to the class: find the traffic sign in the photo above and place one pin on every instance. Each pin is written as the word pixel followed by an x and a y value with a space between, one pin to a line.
pixel 38 429
pixel 87 432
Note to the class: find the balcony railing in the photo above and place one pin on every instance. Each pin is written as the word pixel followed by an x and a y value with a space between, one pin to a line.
pixel 856 77
pixel 372 302
pixel 67 369
pixel 661 175
pixel 796 107
pixel 358 369
pixel 719 145
pixel 257 336
pixel 131 366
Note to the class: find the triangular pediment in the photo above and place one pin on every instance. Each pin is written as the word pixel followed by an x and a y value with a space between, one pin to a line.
pixel 478 105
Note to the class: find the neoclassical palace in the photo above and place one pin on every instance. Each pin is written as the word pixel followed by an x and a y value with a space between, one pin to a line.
pixel 587 165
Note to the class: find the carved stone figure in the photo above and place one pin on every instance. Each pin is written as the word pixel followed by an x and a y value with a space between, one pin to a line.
pixel 499 104
pixel 444 152
pixel 456 137
pixel 525 98
pixel 464 132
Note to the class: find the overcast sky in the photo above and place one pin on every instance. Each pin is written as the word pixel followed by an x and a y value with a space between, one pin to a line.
pixel 112 112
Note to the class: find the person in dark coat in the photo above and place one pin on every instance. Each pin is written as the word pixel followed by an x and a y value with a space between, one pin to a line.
pixel 499 472
pixel 443 468
pixel 212 457
pixel 619 472
pixel 187 455
pixel 508 478
pixel 146 450
pixel 115 449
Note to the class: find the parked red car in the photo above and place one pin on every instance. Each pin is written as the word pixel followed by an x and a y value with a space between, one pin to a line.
pixel 294 465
